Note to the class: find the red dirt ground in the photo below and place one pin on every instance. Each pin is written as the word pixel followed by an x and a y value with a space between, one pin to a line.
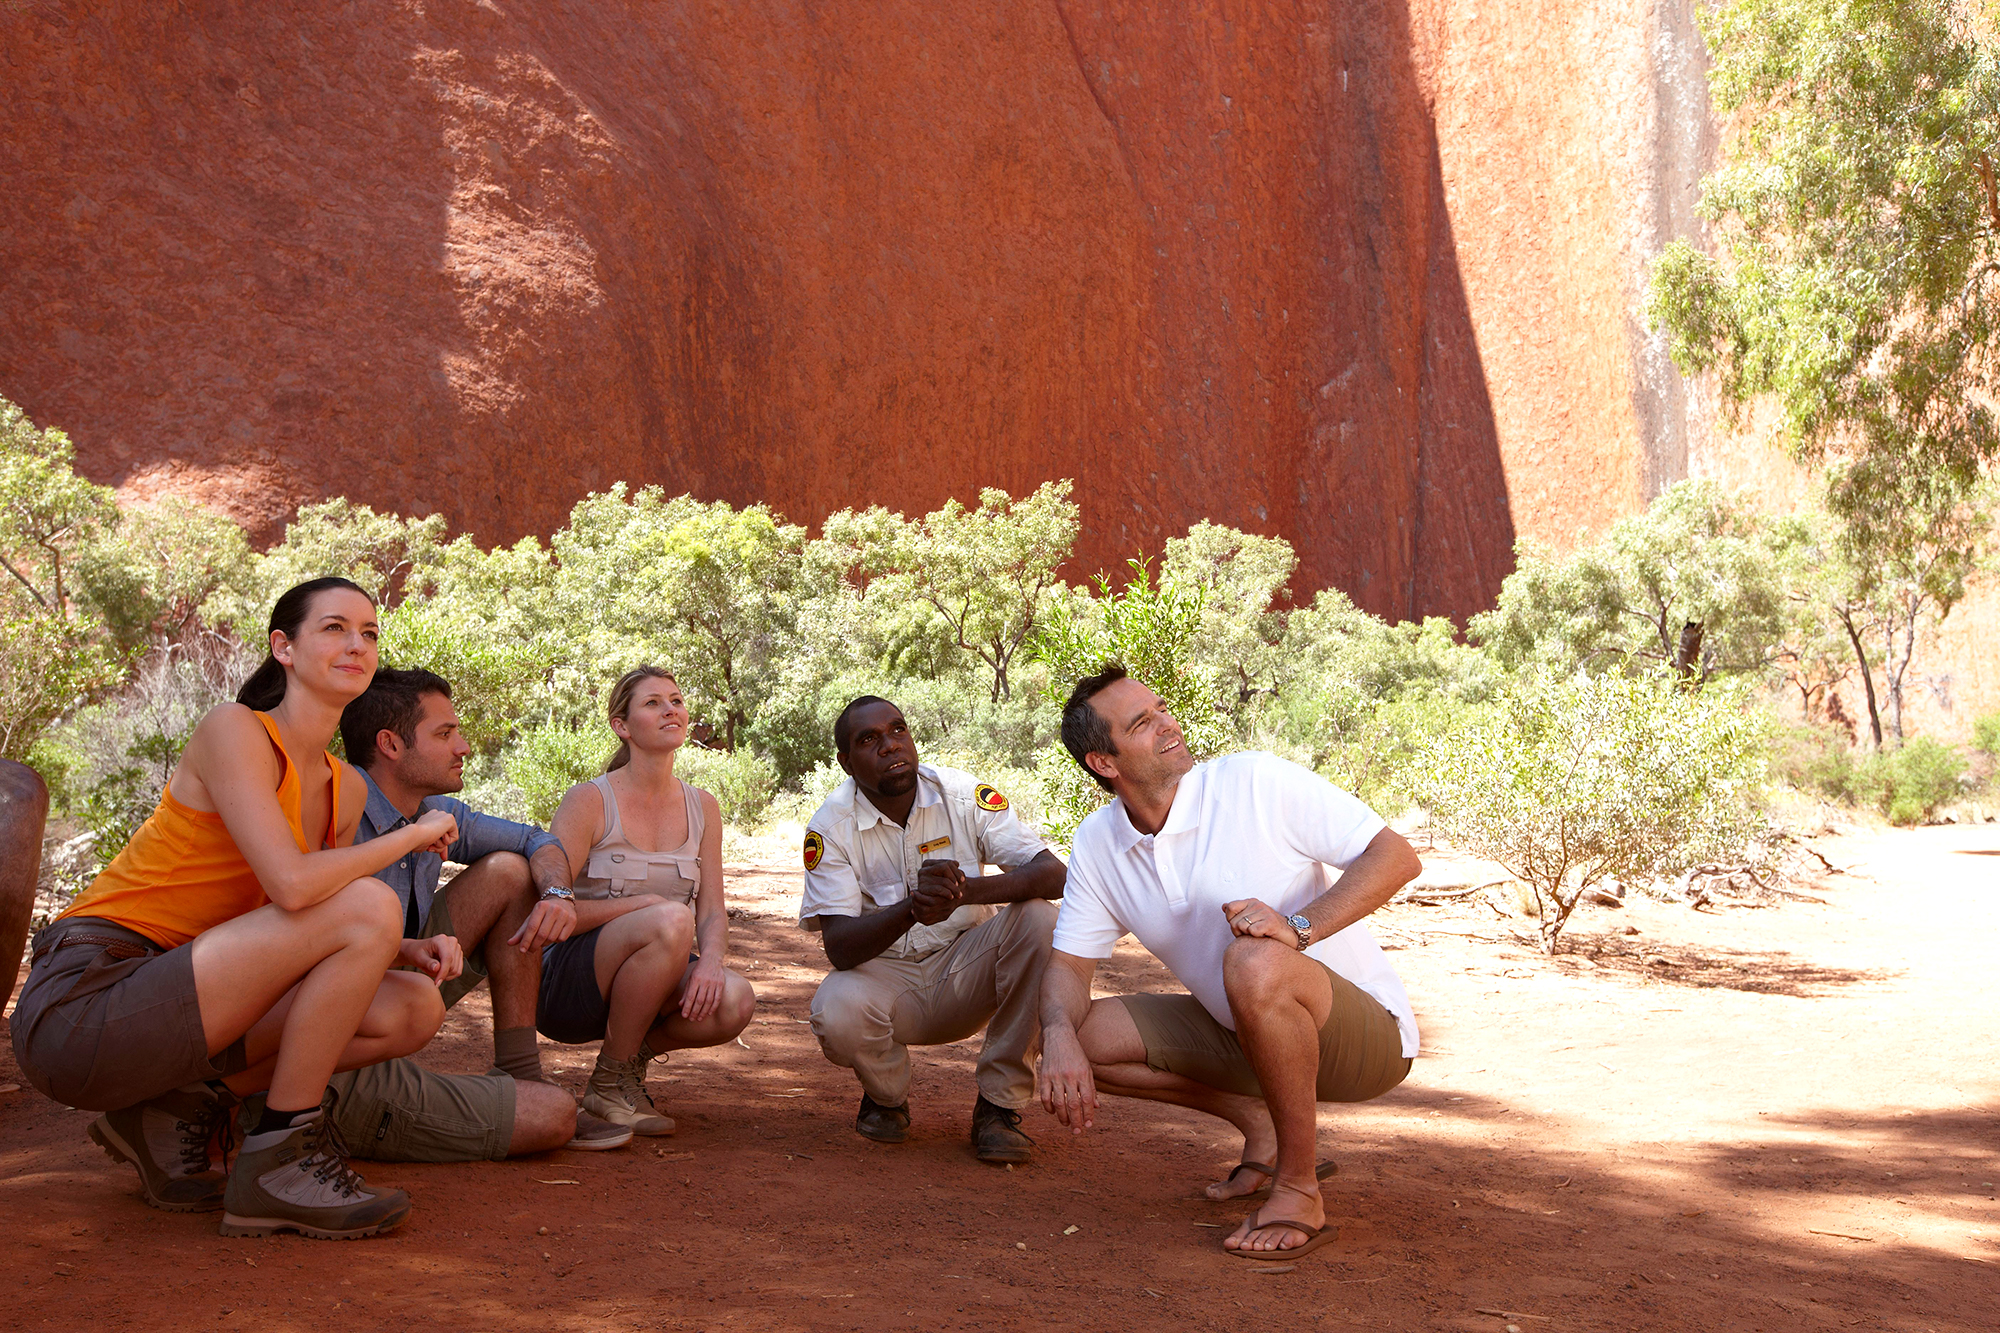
pixel 1792 1124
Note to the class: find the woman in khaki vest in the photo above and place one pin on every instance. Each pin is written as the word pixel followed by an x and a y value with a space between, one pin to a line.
pixel 644 971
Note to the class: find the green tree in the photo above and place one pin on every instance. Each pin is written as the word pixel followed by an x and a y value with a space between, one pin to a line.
pixel 1241 578
pixel 389 555
pixel 1694 583
pixel 149 577
pixel 988 572
pixel 1856 221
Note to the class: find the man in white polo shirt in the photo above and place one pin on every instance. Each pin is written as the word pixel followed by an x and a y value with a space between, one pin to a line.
pixel 926 948
pixel 1220 870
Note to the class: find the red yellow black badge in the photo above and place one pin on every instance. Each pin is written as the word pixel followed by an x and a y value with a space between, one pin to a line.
pixel 989 799
pixel 815 849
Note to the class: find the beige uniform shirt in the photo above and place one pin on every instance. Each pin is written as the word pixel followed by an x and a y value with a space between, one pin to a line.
pixel 857 859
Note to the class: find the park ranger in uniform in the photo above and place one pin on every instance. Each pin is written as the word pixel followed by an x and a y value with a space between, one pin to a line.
pixel 926 948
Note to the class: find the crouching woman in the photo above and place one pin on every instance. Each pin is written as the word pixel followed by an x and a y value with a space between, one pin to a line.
pixel 237 952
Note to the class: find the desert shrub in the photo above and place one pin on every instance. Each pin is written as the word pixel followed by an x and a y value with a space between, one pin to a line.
pixel 1815 759
pixel 549 758
pixel 741 782
pixel 1571 780
pixel 1909 783
pixel 1986 736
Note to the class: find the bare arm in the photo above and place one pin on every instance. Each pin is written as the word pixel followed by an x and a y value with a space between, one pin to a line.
pixel 1386 865
pixel 701 993
pixel 852 940
pixel 552 918
pixel 1041 877
pixel 229 766
pixel 1063 1080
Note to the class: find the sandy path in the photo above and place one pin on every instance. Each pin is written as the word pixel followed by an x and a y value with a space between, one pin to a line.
pixel 1617 1146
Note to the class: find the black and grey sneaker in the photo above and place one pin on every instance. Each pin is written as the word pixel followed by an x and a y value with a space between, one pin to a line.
pixel 996 1134
pixel 171 1142
pixel 298 1179
pixel 884 1124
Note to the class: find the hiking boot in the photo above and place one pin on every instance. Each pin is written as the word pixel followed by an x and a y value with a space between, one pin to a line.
pixel 594 1135
pixel 298 1179
pixel 617 1092
pixel 884 1124
pixel 169 1140
pixel 996 1134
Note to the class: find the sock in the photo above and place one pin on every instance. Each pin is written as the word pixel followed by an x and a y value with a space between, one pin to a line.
pixel 516 1052
pixel 274 1119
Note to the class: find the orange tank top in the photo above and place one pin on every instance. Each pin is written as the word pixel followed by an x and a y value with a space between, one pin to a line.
pixel 182 874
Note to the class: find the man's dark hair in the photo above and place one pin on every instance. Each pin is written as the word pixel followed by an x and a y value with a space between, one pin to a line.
pixel 1084 730
pixel 842 731
pixel 393 701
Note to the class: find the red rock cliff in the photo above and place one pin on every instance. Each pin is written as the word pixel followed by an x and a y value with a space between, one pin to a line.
pixel 1360 275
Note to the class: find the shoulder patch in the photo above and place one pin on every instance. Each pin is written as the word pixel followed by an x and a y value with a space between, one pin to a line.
pixel 989 799
pixel 815 849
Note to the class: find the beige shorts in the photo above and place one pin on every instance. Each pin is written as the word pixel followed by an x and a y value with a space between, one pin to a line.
pixel 398 1111
pixel 1360 1048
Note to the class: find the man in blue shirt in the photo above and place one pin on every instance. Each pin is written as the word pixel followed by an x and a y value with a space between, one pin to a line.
pixel 490 922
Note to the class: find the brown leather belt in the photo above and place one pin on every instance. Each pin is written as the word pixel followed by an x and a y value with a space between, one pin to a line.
pixel 130 944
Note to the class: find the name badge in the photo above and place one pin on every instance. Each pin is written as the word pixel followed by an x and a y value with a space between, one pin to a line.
pixel 934 845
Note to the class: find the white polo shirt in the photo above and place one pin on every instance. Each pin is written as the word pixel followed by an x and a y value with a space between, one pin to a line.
pixel 857 859
pixel 1247 825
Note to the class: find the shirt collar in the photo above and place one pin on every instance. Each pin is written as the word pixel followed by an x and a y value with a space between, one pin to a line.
pixel 381 815
pixel 1183 815
pixel 867 816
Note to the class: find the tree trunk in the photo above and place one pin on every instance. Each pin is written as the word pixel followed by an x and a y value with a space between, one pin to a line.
pixel 1867 677
pixel 1687 653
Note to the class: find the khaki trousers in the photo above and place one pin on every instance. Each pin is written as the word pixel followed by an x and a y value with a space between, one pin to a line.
pixel 867 1017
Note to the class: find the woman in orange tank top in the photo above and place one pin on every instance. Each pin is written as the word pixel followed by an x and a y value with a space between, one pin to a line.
pixel 238 949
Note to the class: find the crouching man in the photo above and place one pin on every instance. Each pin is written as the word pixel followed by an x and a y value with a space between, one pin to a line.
pixel 894 885
pixel 1219 869
pixel 491 922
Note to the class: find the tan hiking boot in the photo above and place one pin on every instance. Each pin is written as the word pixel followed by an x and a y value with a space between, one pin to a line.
pixel 297 1179
pixel 170 1140
pixel 617 1092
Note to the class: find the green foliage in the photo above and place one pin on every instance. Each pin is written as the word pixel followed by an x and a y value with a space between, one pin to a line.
pixel 1859 235
pixel 1240 578
pixel 740 781
pixel 387 554
pixel 1816 759
pixel 1986 735
pixel 147 578
pixel 548 759
pixel 1152 629
pixel 1695 583
pixel 1909 783
pixel 1569 781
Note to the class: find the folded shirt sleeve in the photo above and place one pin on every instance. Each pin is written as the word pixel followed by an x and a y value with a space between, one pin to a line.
pixel 831 888
pixel 1085 925
pixel 1318 819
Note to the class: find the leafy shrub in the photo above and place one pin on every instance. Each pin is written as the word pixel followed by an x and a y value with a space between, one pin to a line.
pixel 1909 783
pixel 547 760
pixel 741 782
pixel 1815 759
pixel 1569 781
pixel 1986 736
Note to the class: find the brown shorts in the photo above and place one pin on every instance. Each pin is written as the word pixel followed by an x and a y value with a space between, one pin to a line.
pixel 398 1111
pixel 438 922
pixel 109 1019
pixel 1360 1049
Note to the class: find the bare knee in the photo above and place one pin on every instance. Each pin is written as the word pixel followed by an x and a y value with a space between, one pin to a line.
pixel 370 909
pixel 670 924
pixel 415 1010
pixel 1109 1036
pixel 739 1004
pixel 544 1118
pixel 1253 966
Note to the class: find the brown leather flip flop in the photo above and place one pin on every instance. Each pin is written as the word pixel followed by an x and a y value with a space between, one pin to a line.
pixel 1315 1237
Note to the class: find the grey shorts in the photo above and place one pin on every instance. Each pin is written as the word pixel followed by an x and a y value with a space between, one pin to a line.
pixel 570 1008
pixel 398 1111
pixel 438 922
pixel 109 1019
pixel 1360 1048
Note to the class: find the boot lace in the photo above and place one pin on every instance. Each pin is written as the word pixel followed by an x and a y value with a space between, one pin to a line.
pixel 213 1128
pixel 325 1157
pixel 632 1083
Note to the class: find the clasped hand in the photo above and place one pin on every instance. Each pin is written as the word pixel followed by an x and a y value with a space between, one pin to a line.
pixel 1250 917
pixel 940 891
pixel 440 958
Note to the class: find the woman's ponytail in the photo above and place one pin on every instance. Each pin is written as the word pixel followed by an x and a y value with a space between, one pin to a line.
pixel 265 689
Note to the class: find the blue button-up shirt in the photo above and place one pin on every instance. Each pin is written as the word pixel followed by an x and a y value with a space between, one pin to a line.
pixel 415 877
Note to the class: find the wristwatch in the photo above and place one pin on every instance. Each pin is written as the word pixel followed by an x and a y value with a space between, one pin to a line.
pixel 1304 928
pixel 559 891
